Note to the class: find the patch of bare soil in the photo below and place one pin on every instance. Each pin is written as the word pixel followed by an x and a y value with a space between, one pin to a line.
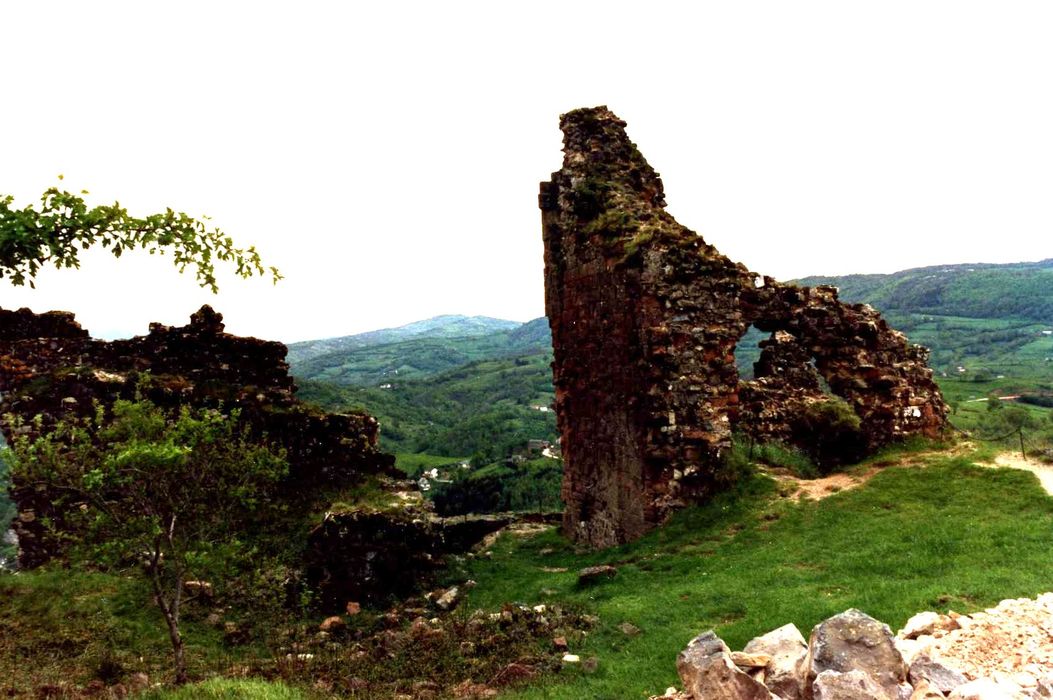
pixel 796 488
pixel 1013 460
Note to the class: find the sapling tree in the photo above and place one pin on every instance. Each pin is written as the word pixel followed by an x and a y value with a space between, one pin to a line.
pixel 173 492
pixel 8 550
pixel 169 495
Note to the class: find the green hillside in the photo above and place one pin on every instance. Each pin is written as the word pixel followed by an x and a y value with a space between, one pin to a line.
pixel 431 352
pixel 984 319
pixel 472 394
pixel 447 326
pixel 485 408
pixel 1021 291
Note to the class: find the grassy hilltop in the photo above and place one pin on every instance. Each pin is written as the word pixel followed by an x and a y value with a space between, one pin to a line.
pixel 925 527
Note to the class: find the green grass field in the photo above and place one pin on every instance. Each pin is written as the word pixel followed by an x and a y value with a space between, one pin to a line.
pixel 80 626
pixel 227 689
pixel 941 533
pixel 946 534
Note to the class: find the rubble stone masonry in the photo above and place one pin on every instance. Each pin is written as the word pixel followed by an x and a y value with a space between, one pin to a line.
pixel 50 369
pixel 645 318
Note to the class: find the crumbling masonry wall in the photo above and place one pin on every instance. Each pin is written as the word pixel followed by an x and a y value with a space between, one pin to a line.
pixel 50 369
pixel 645 317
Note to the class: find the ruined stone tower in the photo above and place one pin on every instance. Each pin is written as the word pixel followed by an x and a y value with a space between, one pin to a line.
pixel 645 317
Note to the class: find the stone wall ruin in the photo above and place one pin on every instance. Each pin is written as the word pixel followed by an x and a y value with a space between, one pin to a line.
pixel 50 369
pixel 645 318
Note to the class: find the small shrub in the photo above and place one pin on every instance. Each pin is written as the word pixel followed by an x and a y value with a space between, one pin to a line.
pixel 829 432
pixel 783 456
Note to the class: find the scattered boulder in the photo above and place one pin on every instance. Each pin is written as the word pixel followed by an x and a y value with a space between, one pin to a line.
pixel 707 671
pixel 750 661
pixel 1002 653
pixel 936 674
pixel 473 691
pixel 785 672
pixel 988 689
pixel 854 641
pixel 450 599
pixel 923 690
pixel 629 629
pixel 848 685
pixel 513 673
pixel 594 574
pixel 911 649
pixel 332 624
pixel 922 623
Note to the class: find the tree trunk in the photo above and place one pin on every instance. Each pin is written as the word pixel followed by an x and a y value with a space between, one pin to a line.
pixel 170 607
pixel 177 648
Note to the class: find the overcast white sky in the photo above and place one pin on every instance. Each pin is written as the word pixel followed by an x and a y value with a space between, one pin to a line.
pixel 386 156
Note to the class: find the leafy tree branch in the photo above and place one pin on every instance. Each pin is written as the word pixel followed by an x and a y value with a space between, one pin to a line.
pixel 63 225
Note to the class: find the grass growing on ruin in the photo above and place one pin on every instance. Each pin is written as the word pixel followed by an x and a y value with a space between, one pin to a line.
pixel 63 626
pixel 947 534
pixel 224 689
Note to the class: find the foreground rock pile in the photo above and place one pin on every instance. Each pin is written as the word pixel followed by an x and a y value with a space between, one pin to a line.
pixel 426 649
pixel 1003 653
pixel 645 318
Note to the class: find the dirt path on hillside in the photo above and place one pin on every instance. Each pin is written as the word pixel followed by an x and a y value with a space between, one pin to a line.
pixel 796 488
pixel 1044 472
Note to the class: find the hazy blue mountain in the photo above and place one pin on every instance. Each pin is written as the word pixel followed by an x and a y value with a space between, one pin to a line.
pixel 450 394
pixel 447 326
pixel 428 348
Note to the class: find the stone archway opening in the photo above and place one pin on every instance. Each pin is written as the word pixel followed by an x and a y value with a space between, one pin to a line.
pixel 785 401
pixel 748 351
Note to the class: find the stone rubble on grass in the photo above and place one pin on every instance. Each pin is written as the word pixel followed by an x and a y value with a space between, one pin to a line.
pixel 629 629
pixel 595 574
pixel 854 641
pixel 1002 653
pixel 706 669
pixel 849 685
pixel 449 599
pixel 787 649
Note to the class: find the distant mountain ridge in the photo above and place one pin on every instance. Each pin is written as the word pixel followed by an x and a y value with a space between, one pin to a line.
pixel 417 350
pixel 458 395
pixel 445 326
pixel 1021 291
pixel 993 314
